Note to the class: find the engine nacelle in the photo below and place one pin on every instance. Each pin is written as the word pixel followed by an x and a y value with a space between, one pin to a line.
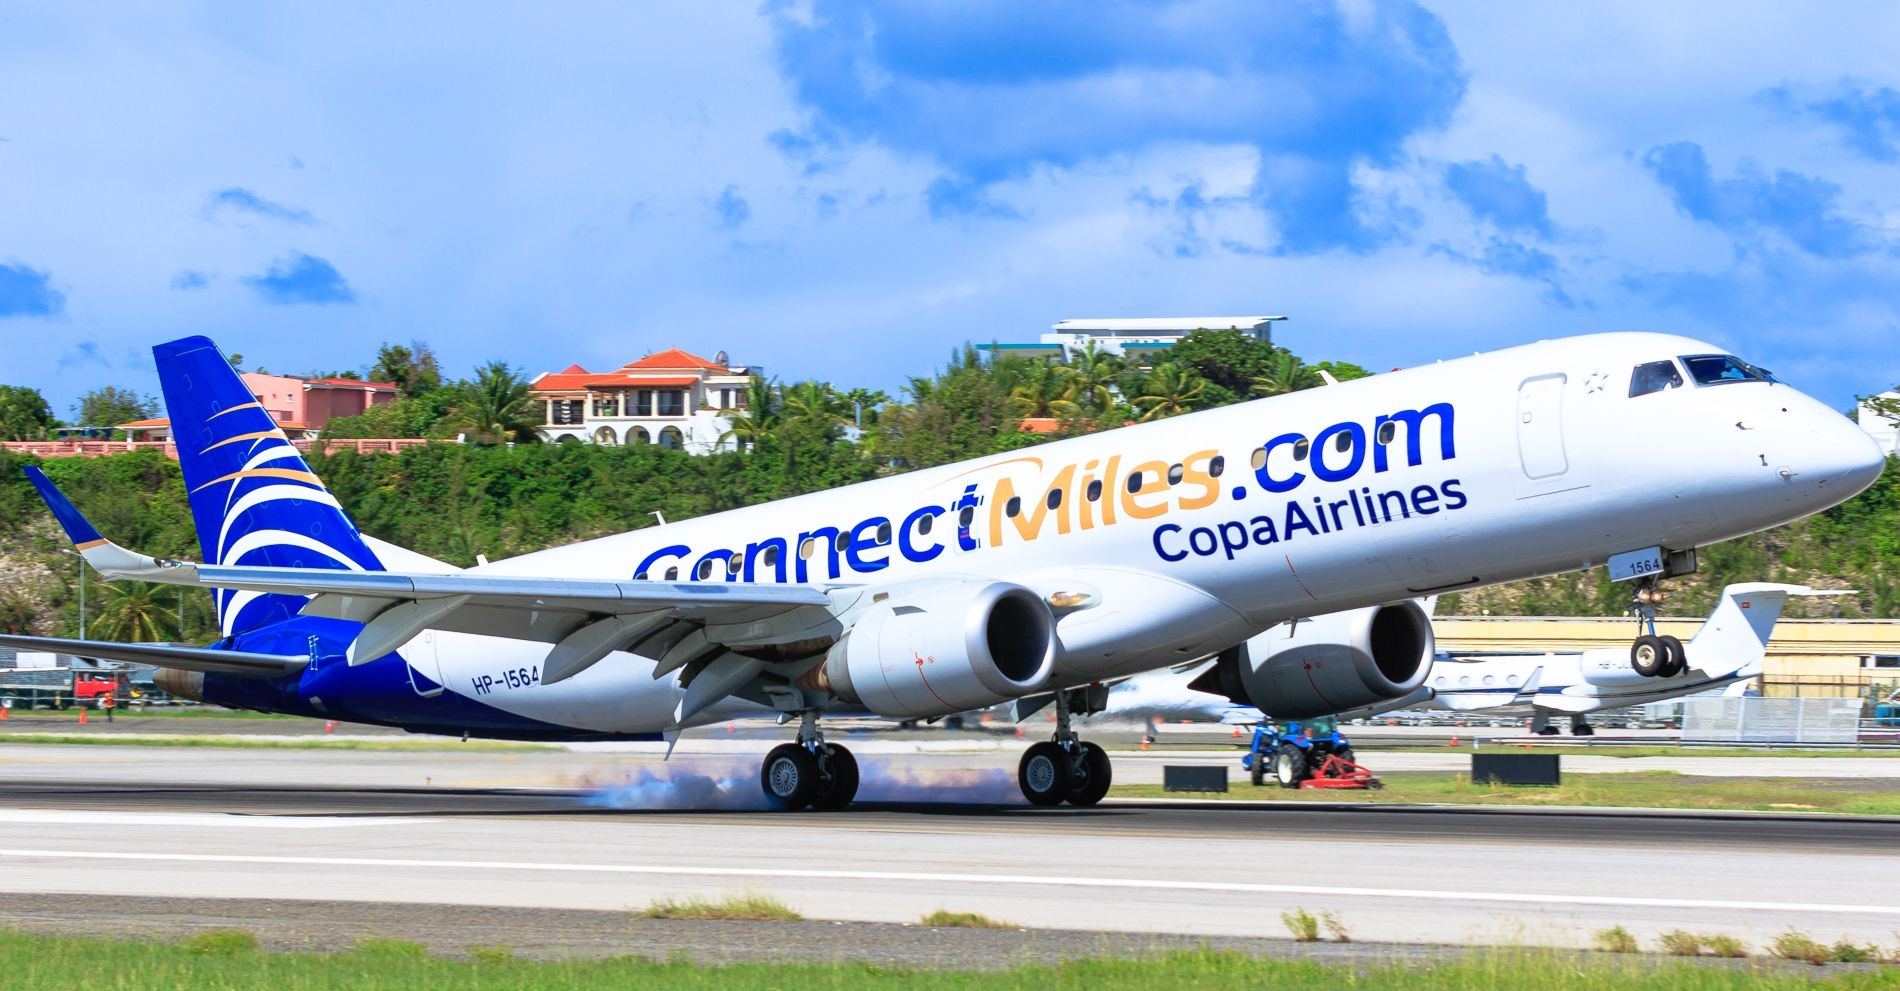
pixel 942 649
pixel 1328 664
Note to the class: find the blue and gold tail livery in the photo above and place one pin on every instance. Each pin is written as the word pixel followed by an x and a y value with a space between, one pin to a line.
pixel 254 499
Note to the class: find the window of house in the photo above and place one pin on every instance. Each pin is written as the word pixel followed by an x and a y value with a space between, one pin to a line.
pixel 1884 661
pixel 643 403
pixel 672 402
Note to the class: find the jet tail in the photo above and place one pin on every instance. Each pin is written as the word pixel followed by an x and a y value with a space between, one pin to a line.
pixel 253 497
pixel 1736 633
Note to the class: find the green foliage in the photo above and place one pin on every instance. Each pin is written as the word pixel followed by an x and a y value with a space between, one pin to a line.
pixel 221 942
pixel 1680 943
pixel 494 408
pixel 108 406
pixel 1724 945
pixel 1615 939
pixel 1341 371
pixel 946 919
pixel 1231 359
pixel 412 367
pixel 1303 925
pixel 746 907
pixel 24 414
pixel 1797 945
pixel 1171 390
pixel 404 416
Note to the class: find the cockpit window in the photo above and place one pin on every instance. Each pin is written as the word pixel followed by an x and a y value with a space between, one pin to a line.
pixel 1654 376
pixel 1717 369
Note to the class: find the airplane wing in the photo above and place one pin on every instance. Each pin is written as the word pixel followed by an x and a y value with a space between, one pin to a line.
pixel 165 655
pixel 674 623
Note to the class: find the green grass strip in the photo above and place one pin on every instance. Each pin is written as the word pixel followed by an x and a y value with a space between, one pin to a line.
pixel 1638 789
pixel 37 963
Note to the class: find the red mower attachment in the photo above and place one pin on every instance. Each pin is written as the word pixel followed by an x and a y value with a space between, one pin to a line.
pixel 1337 772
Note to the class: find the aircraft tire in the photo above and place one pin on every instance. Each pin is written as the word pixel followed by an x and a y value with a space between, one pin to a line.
pixel 1678 656
pixel 1289 766
pixel 788 776
pixel 1097 773
pixel 836 791
pixel 1648 656
pixel 1043 774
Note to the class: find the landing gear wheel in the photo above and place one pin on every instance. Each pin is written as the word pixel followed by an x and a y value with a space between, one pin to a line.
pixel 1648 656
pixel 1678 656
pixel 789 777
pixel 835 789
pixel 1044 774
pixel 1089 776
pixel 1581 728
pixel 1289 766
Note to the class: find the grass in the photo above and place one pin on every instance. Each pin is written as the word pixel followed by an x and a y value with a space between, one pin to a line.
pixel 1635 789
pixel 258 742
pixel 744 907
pixel 37 963
pixel 946 919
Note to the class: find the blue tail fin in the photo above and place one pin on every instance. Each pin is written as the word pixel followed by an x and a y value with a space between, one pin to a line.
pixel 253 497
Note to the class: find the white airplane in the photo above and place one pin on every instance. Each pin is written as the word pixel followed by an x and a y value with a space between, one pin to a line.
pixel 1046 572
pixel 1723 655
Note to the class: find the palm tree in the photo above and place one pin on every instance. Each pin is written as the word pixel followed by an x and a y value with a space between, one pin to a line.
pixel 494 408
pixel 136 612
pixel 1042 390
pixel 1286 373
pixel 1170 390
pixel 812 402
pixel 1092 374
pixel 755 423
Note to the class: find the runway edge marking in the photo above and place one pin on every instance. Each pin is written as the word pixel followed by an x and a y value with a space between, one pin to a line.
pixel 1224 887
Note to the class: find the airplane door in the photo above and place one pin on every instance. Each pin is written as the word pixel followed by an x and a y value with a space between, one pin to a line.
pixel 1540 426
pixel 425 668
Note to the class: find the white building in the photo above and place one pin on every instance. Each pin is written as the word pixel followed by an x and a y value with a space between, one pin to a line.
pixel 1883 429
pixel 1139 339
pixel 671 398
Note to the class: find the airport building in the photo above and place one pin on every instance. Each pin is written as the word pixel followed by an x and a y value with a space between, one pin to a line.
pixel 1139 339
pixel 672 398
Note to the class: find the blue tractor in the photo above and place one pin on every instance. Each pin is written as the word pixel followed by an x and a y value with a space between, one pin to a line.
pixel 1295 752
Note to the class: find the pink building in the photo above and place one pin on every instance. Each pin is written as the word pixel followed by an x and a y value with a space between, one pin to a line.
pixel 300 406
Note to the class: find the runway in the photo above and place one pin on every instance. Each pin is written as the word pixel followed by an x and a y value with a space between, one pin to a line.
pixel 241 824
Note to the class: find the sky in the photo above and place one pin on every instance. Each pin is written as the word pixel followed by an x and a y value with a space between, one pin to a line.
pixel 847 191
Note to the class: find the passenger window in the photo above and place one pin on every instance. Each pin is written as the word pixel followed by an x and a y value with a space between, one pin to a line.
pixel 1654 377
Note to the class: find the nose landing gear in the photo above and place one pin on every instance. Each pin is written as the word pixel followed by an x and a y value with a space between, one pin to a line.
pixel 809 772
pixel 1065 769
pixel 1653 655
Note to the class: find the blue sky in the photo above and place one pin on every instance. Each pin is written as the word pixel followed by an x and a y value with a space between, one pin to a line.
pixel 847 190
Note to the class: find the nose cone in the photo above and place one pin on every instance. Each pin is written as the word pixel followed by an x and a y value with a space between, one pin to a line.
pixel 1845 458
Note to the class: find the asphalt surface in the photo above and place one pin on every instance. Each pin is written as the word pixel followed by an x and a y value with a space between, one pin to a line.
pixel 499 832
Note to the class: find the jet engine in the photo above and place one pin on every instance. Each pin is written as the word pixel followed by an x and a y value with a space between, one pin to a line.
pixel 1327 664
pixel 941 649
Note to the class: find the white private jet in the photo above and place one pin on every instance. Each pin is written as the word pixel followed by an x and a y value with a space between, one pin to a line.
pixel 1723 655
pixel 1035 573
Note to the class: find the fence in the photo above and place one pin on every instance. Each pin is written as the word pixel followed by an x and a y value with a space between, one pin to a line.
pixel 1771 720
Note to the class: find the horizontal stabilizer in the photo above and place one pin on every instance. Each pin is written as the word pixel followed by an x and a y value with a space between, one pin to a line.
pixel 165 655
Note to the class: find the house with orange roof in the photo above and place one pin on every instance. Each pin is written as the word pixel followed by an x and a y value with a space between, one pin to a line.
pixel 673 398
pixel 300 406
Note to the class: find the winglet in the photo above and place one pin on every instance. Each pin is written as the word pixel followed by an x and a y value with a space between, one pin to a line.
pixel 109 558
pixel 81 532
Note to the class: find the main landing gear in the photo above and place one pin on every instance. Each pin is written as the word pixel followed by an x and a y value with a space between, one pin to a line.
pixel 1654 656
pixel 810 772
pixel 1065 769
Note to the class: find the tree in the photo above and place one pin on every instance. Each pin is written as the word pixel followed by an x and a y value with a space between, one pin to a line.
pixel 1285 373
pixel 110 406
pixel 1343 371
pixel 494 408
pixel 1092 376
pixel 1886 405
pixel 136 612
pixel 1170 390
pixel 24 413
pixel 753 425
pixel 413 368
pixel 1043 391
pixel 1230 359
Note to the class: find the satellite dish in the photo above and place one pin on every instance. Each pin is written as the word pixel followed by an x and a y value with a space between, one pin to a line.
pixel 721 360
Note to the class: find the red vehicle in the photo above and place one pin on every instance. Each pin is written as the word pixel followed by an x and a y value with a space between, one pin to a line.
pixel 98 690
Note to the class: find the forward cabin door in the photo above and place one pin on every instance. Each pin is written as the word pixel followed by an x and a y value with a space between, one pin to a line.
pixel 1540 427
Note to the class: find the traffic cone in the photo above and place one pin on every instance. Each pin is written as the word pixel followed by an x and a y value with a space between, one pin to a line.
pixel 1019 732
pixel 1454 740
pixel 1144 744
pixel 4 709
pixel 82 715
pixel 732 727
pixel 329 726
pixel 1236 732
